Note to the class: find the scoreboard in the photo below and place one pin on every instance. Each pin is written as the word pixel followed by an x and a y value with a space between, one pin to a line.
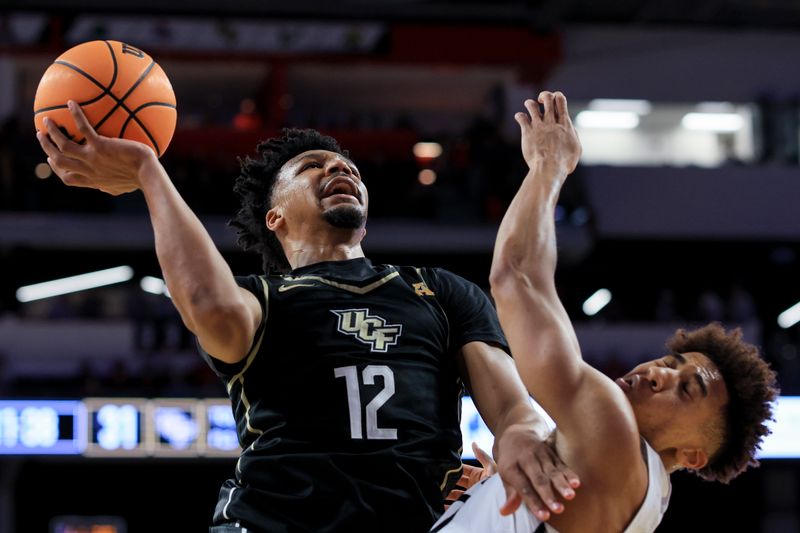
pixel 190 427
pixel 118 427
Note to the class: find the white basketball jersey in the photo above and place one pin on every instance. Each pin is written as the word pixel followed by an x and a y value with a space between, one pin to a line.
pixel 477 510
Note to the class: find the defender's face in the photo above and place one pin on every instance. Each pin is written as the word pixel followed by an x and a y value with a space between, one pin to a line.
pixel 322 185
pixel 675 398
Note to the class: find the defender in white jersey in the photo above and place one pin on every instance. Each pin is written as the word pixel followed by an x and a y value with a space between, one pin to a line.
pixel 474 510
pixel 702 407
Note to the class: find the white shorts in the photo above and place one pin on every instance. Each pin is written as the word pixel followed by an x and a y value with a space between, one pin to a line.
pixel 478 511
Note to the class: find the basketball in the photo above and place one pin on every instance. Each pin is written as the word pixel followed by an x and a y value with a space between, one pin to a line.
pixel 121 90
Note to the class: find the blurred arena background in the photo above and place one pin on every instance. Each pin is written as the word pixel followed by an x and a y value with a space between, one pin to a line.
pixel 684 209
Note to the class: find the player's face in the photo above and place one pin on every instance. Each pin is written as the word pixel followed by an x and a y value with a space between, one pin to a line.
pixel 322 185
pixel 675 398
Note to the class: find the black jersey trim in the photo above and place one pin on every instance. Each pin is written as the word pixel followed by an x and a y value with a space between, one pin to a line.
pixel 351 288
pixel 250 358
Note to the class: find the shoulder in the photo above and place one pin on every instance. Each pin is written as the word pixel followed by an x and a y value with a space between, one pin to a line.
pixel 603 443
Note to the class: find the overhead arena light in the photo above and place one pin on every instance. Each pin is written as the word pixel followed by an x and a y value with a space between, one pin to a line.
pixel 609 120
pixel 717 122
pixel 78 283
pixel 640 107
pixel 790 317
pixel 154 286
pixel 427 150
pixel 596 302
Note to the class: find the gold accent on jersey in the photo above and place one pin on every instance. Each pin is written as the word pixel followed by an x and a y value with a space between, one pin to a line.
pixel 250 357
pixel 284 288
pixel 350 288
pixel 453 471
pixel 421 289
pixel 436 300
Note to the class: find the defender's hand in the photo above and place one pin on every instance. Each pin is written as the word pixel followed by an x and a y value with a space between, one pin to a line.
pixel 532 472
pixel 548 136
pixel 103 163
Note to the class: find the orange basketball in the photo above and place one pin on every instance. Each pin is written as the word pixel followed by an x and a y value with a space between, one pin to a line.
pixel 122 91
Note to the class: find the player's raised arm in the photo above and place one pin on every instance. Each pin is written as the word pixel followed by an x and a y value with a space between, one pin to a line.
pixel 534 320
pixel 523 267
pixel 223 316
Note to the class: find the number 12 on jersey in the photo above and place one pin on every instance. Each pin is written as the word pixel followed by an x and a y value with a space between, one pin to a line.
pixel 350 375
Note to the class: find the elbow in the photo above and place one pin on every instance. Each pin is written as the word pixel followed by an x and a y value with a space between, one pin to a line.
pixel 508 276
pixel 217 318
pixel 510 280
pixel 507 284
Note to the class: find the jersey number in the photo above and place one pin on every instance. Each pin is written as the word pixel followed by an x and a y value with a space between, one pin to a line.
pixel 350 375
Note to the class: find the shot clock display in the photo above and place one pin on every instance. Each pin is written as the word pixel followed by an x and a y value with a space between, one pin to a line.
pixel 190 427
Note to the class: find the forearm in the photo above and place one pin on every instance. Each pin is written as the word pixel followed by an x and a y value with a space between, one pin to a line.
pixel 525 250
pixel 498 391
pixel 198 278
pixel 522 414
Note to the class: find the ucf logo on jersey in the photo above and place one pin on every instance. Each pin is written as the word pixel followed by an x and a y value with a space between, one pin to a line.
pixel 369 329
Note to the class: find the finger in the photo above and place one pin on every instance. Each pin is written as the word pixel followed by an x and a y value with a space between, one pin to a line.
pixel 517 480
pixel 58 138
pixel 533 109
pixel 512 503
pixel 490 467
pixel 567 480
pixel 62 164
pixel 72 179
pixel 542 486
pixel 546 99
pixel 47 145
pixel 561 108
pixel 572 478
pixel 81 121
pixel 523 120
pixel 562 485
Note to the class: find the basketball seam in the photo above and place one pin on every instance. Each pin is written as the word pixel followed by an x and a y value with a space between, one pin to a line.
pixel 132 116
pixel 106 90
pixel 113 62
pixel 121 101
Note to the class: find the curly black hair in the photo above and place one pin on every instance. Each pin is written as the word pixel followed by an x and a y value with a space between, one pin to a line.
pixel 255 185
pixel 752 387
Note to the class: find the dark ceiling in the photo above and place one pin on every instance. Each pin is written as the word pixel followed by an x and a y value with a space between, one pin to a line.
pixel 542 14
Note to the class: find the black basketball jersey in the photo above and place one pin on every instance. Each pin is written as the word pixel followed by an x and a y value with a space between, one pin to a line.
pixel 348 404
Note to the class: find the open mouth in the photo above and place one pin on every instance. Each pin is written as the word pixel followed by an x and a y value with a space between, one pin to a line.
pixel 341 186
pixel 628 383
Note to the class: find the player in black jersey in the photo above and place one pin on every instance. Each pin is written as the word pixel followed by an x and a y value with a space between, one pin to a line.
pixel 345 377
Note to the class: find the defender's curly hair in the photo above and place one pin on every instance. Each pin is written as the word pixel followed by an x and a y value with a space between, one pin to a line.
pixel 255 186
pixel 752 387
